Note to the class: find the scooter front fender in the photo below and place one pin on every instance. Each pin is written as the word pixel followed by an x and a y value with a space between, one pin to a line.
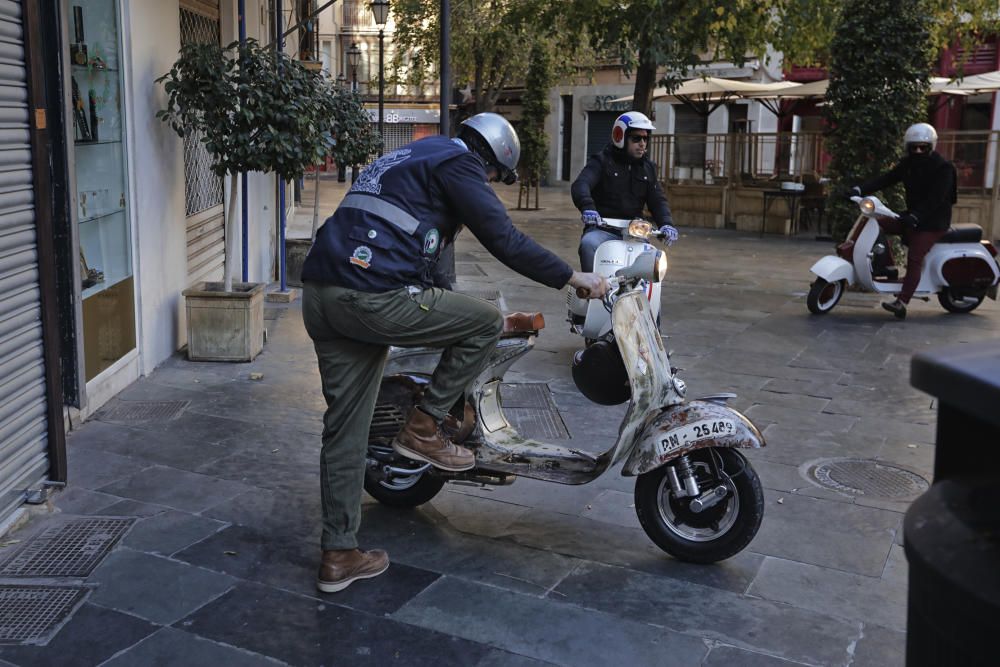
pixel 833 269
pixel 683 428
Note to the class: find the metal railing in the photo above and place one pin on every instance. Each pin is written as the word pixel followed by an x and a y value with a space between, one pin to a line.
pixel 358 16
pixel 742 157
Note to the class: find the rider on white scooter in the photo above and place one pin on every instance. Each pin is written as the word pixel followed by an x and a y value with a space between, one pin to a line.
pixel 931 190
pixel 619 182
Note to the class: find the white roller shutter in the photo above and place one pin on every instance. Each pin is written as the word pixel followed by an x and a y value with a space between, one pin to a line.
pixel 23 425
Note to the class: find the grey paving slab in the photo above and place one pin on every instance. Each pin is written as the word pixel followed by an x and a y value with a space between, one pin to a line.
pixel 154 588
pixel 730 656
pixel 792 401
pixel 84 641
pixel 168 647
pixel 614 507
pixel 90 468
pixel 175 488
pixel 283 515
pixel 78 500
pixel 473 514
pixel 170 531
pixel 440 549
pixel 129 507
pixel 756 625
pixel 840 535
pixel 301 631
pixel 795 446
pixel 880 647
pixel 281 469
pixel 148 447
pixel 544 629
pixel 879 600
pixel 791 479
pixel 292 565
pixel 871 427
pixel 771 414
pixel 195 427
pixel 498 658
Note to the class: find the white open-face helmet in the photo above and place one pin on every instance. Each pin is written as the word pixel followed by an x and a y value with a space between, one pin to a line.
pixel 921 133
pixel 631 120
pixel 495 140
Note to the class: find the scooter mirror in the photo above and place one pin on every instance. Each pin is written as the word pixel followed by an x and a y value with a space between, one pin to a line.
pixel 650 265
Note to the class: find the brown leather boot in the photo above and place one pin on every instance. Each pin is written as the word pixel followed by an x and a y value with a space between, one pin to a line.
pixel 422 440
pixel 342 567
pixel 459 431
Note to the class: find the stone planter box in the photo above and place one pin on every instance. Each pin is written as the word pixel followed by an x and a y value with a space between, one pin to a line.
pixel 295 256
pixel 224 326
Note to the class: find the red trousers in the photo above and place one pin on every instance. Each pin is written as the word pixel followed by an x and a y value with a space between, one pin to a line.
pixel 919 244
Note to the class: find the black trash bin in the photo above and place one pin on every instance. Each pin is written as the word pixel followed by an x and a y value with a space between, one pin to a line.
pixel 952 532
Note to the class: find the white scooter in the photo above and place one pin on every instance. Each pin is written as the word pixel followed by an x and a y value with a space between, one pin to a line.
pixel 696 495
pixel 592 318
pixel 961 268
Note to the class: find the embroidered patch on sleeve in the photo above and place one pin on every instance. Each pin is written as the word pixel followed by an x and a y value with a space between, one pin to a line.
pixel 362 257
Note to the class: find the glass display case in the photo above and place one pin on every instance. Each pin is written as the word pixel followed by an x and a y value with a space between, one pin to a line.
pixel 101 211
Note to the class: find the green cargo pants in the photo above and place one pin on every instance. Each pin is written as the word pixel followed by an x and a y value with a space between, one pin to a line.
pixel 352 332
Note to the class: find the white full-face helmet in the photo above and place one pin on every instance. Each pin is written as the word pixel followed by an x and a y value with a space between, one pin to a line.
pixel 494 140
pixel 630 120
pixel 920 133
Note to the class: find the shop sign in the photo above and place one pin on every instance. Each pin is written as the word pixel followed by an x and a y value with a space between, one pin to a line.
pixel 605 103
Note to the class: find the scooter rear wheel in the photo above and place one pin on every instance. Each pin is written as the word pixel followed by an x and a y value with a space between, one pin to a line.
pixel 958 304
pixel 823 296
pixel 715 533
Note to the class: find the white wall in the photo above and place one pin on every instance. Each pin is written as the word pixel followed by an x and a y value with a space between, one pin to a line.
pixel 157 168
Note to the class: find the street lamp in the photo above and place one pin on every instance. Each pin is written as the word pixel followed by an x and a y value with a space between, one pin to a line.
pixel 380 8
pixel 353 58
pixel 341 81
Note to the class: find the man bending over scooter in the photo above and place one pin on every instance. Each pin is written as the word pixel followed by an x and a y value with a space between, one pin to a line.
pixel 619 182
pixel 931 189
pixel 369 284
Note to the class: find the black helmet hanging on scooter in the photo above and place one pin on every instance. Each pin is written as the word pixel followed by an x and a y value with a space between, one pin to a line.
pixel 599 373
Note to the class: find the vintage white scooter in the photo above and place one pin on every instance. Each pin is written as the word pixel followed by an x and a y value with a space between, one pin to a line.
pixel 696 495
pixel 591 318
pixel 961 268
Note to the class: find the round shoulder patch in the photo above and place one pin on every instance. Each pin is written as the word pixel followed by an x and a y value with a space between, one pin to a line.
pixel 432 239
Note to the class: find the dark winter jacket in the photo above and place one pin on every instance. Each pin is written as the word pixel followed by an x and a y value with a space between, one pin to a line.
pixel 617 187
pixel 931 188
pixel 388 231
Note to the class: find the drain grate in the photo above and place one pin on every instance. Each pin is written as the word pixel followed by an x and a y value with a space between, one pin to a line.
pixel 867 477
pixel 70 550
pixel 137 412
pixel 29 614
pixel 530 409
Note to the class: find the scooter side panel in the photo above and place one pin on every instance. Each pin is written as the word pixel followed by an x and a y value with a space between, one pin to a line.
pixel 680 429
pixel 932 277
pixel 831 269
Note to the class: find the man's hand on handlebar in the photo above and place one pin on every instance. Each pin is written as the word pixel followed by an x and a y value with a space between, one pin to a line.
pixel 589 285
pixel 590 217
pixel 669 233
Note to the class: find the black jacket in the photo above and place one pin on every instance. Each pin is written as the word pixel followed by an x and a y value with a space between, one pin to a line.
pixel 931 188
pixel 617 187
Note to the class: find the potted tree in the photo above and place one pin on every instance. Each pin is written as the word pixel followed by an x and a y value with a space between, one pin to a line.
pixel 254 109
pixel 355 142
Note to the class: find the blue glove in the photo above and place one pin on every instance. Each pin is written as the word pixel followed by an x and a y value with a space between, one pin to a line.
pixel 669 234
pixel 591 218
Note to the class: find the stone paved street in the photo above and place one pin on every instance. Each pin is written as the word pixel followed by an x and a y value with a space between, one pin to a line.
pixel 219 567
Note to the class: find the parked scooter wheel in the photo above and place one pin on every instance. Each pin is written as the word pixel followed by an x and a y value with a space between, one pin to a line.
pixel 823 296
pixel 715 533
pixel 957 304
pixel 409 491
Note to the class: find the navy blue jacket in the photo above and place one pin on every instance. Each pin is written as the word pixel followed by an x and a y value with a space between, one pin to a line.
pixel 388 231
pixel 618 187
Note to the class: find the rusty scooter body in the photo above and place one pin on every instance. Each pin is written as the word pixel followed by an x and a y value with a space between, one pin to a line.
pixel 696 496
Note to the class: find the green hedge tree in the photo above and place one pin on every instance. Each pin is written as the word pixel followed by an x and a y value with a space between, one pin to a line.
pixel 255 109
pixel 534 140
pixel 880 63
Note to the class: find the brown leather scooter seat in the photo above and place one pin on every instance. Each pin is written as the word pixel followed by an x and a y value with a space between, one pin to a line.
pixel 518 323
pixel 967 233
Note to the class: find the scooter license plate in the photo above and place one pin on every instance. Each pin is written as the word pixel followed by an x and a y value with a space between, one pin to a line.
pixel 694 432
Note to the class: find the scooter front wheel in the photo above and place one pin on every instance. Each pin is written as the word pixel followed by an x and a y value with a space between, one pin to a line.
pixel 715 533
pixel 823 296
pixel 401 490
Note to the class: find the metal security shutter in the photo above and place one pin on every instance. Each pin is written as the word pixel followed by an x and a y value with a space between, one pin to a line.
pixel 203 190
pixel 396 135
pixel 599 124
pixel 23 426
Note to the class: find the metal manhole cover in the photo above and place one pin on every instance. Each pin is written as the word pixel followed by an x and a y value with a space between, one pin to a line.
pixel 867 477
pixel 70 550
pixel 530 409
pixel 137 412
pixel 28 614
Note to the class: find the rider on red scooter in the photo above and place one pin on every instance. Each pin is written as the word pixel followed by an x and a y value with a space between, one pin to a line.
pixel 931 190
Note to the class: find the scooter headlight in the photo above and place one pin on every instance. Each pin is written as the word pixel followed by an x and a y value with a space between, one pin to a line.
pixel 650 265
pixel 867 206
pixel 639 229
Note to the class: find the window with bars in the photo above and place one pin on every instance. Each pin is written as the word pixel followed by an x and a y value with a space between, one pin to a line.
pixel 202 188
